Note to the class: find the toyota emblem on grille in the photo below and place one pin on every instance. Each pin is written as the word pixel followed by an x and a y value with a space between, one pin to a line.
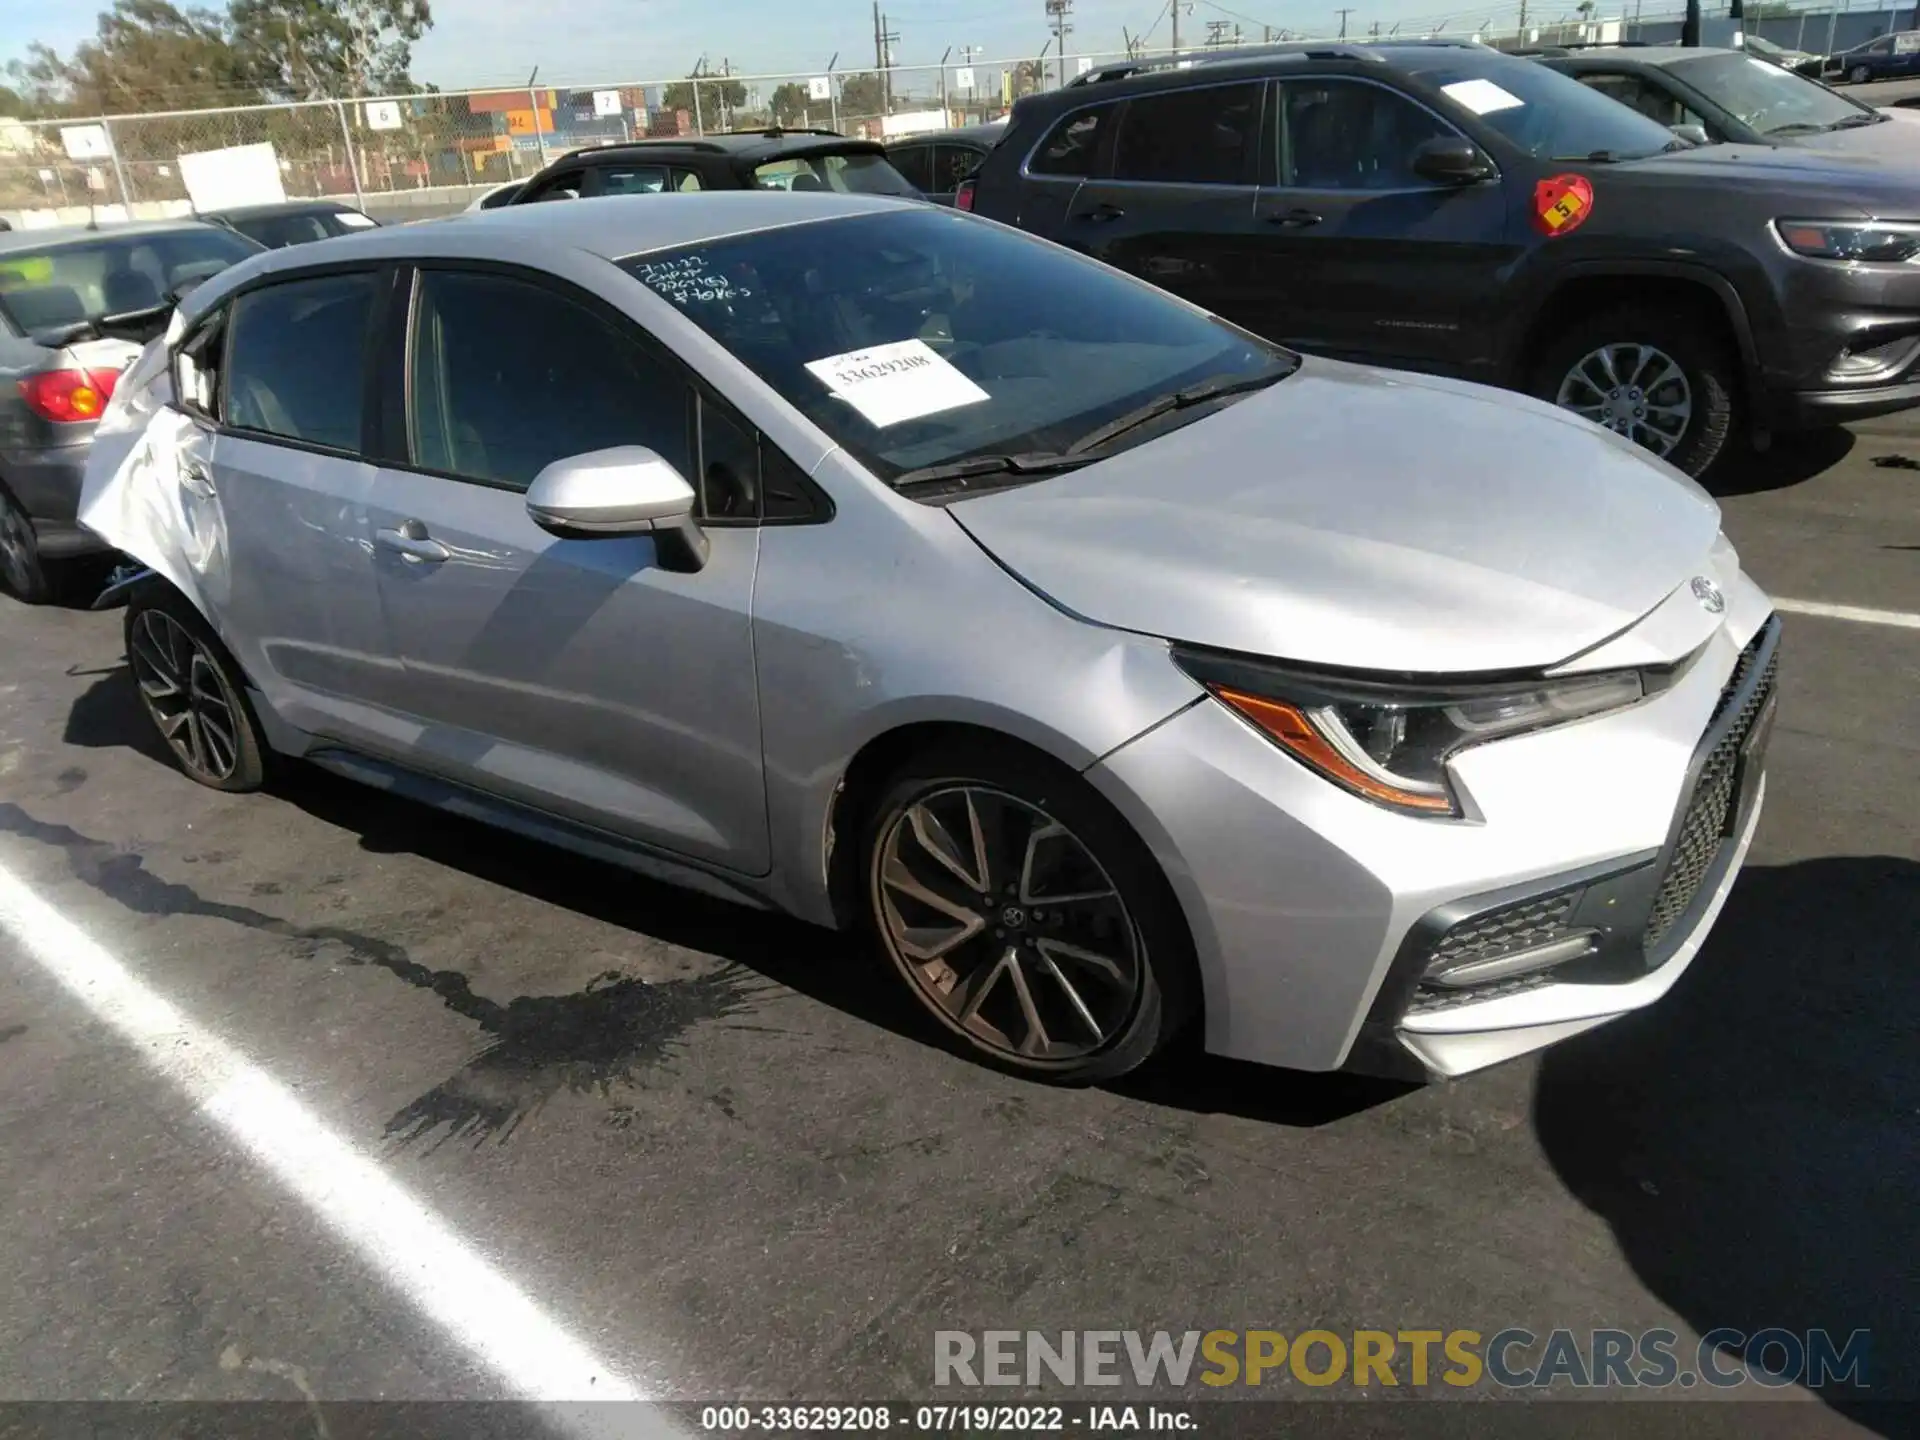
pixel 1708 594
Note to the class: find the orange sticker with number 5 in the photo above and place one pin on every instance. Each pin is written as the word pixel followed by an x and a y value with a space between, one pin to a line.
pixel 1561 204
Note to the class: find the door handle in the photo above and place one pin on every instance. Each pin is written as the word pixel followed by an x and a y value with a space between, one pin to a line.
pixel 411 543
pixel 196 478
pixel 1101 213
pixel 1294 219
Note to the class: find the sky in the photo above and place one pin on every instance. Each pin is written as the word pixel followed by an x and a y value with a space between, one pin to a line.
pixel 582 42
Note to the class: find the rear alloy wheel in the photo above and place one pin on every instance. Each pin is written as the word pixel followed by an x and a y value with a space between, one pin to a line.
pixel 1023 919
pixel 20 567
pixel 192 693
pixel 1653 378
pixel 1860 75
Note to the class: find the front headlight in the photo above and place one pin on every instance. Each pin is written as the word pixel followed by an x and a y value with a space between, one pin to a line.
pixel 1889 241
pixel 1391 743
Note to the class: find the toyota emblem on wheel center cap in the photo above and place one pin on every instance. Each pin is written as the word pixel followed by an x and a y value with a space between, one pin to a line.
pixel 1708 594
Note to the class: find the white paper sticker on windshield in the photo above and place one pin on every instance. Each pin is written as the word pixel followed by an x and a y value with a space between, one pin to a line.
pixel 891 383
pixel 357 222
pixel 1482 97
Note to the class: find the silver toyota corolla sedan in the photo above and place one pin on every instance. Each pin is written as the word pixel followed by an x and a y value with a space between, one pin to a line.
pixel 1113 669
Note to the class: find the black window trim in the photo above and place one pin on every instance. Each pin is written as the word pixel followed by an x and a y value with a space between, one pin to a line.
pixel 976 154
pixel 377 318
pixel 391 372
pixel 1108 151
pixel 551 181
pixel 1102 158
pixel 1270 136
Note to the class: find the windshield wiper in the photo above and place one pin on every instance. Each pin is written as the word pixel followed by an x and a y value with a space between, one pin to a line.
pixel 1214 389
pixel 1854 122
pixel 1034 462
pixel 1803 127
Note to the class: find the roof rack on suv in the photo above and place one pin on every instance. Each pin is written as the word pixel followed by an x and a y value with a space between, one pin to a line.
pixel 1228 55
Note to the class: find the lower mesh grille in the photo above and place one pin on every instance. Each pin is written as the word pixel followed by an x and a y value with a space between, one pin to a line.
pixel 1533 921
pixel 1710 813
pixel 1499 932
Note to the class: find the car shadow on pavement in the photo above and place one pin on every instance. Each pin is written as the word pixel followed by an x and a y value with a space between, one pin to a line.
pixel 604 1034
pixel 1754 1139
pixel 1788 461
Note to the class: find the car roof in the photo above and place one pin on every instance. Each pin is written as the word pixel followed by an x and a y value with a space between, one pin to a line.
pixel 991 130
pixel 612 227
pixel 46 237
pixel 284 207
pixel 1259 61
pixel 1637 55
pixel 757 145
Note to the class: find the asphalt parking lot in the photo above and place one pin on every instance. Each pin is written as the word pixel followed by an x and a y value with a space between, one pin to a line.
pixel 706 1147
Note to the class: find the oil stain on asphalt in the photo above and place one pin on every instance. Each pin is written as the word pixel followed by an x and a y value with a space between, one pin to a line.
pixel 592 1041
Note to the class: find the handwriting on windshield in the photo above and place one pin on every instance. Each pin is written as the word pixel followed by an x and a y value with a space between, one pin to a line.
pixel 689 278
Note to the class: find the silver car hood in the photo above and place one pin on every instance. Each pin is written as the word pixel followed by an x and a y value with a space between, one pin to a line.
pixel 1364 518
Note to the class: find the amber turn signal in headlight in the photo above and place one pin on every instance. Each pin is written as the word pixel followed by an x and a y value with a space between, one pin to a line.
pixel 1291 728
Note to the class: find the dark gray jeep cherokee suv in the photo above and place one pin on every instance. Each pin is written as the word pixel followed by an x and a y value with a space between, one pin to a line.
pixel 1447 208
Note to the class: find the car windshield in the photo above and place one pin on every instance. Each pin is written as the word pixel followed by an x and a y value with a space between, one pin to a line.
pixel 1771 100
pixel 920 337
pixel 85 280
pixel 1549 115
pixel 857 174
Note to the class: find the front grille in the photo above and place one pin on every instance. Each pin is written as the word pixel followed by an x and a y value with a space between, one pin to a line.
pixel 1711 811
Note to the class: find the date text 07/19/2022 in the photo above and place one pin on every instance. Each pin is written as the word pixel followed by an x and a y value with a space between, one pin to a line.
pixel 945 1419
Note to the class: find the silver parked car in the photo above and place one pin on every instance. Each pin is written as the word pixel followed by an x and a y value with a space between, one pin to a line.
pixel 1111 667
pixel 76 304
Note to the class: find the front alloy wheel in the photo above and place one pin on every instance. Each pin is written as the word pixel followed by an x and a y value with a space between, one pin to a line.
pixel 186 696
pixel 1638 391
pixel 1007 925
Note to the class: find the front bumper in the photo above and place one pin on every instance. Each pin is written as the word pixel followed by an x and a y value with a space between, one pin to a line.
pixel 1315 914
pixel 1817 409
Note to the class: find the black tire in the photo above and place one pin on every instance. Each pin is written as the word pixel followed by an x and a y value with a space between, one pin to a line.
pixel 22 571
pixel 1142 914
pixel 1702 356
pixel 185 678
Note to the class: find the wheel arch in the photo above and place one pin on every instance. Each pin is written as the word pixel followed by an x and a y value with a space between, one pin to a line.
pixel 877 758
pixel 865 776
pixel 1585 289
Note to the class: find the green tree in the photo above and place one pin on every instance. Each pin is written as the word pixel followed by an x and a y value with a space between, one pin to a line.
pixel 717 95
pixel 155 55
pixel 790 104
pixel 863 94
pixel 145 55
pixel 328 49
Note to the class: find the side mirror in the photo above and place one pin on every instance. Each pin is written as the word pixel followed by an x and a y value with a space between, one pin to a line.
pixel 1452 161
pixel 627 490
pixel 1692 134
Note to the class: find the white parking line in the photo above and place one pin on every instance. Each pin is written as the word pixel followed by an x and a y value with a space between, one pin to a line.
pixel 411 1247
pixel 1903 619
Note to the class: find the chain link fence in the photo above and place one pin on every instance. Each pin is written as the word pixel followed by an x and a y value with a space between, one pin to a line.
pixel 414 156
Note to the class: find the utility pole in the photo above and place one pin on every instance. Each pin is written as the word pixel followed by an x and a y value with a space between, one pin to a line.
pixel 883 42
pixel 1057 11
pixel 1174 7
pixel 1343 22
pixel 1375 32
pixel 1521 35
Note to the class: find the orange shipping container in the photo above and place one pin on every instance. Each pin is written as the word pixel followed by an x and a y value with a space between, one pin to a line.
pixel 520 122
